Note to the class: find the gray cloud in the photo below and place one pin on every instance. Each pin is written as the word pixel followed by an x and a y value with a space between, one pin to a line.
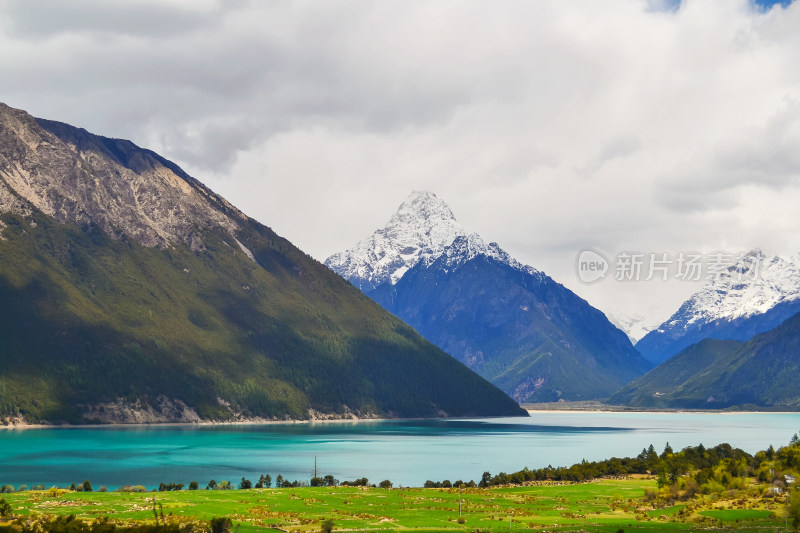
pixel 32 20
pixel 547 126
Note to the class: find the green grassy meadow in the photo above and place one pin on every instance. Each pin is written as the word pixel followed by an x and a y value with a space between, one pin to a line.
pixel 601 505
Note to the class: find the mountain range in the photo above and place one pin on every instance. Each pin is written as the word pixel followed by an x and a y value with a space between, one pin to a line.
pixel 133 293
pixel 763 372
pixel 511 323
pixel 752 296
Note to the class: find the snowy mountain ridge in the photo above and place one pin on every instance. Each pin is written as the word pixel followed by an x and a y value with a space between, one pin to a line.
pixel 753 286
pixel 423 229
pixel 465 248
pixel 754 295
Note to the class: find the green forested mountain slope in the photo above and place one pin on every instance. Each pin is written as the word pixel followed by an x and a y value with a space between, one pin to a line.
pixel 130 292
pixel 763 372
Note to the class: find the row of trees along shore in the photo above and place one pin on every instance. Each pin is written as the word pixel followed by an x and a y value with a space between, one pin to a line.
pixel 264 482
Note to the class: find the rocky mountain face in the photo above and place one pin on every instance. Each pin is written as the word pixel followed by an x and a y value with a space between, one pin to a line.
pixel 762 373
pixel 132 292
pixel 110 184
pixel 511 323
pixel 751 297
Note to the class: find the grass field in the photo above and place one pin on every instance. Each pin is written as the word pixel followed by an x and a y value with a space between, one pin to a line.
pixel 604 505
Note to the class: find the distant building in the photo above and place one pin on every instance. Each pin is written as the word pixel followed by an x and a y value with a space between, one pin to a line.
pixel 788 479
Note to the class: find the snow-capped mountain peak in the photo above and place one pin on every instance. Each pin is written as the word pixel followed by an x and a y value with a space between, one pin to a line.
pixel 754 285
pixel 421 228
pixel 752 296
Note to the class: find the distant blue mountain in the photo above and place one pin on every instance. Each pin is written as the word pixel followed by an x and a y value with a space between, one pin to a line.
pixel 752 297
pixel 762 373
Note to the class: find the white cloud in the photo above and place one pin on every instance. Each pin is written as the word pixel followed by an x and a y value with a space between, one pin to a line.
pixel 548 126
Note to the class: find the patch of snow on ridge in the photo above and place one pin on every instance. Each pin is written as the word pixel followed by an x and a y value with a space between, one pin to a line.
pixel 246 250
pixel 467 247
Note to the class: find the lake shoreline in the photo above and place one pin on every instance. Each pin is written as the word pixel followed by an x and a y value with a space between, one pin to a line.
pixel 597 407
pixel 531 409
pixel 21 426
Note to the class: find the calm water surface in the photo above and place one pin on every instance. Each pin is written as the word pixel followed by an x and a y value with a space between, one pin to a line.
pixel 408 452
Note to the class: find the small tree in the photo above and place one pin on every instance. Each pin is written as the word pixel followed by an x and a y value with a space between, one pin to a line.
pixel 267 481
pixel 385 484
pixel 279 481
pixel 245 484
pixel 211 485
pixel 326 526
pixel 87 487
pixel 317 482
pixel 193 485
pixel 794 507
pixel 667 451
pixel 662 480
pixel 5 508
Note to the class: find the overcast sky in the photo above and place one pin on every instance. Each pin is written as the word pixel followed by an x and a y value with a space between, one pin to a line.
pixel 549 126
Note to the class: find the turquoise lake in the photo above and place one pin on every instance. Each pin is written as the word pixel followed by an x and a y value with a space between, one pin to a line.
pixel 408 452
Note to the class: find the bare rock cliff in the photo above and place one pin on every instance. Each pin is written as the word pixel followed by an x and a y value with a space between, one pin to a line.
pixel 79 177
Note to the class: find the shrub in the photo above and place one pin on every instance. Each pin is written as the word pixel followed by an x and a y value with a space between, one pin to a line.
pixel 5 508
pixel 221 525
pixel 132 488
